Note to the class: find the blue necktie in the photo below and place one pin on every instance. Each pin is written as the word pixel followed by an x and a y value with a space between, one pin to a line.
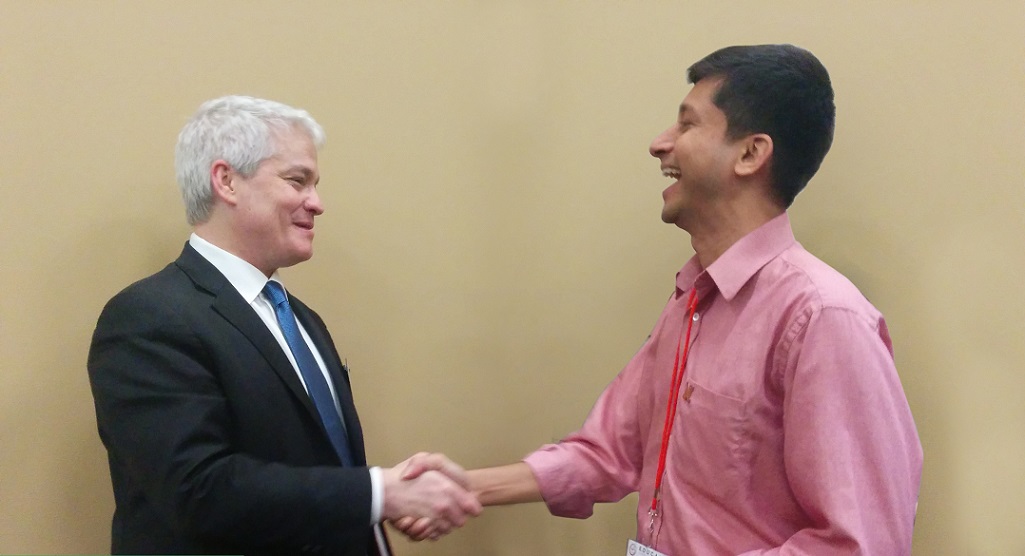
pixel 316 384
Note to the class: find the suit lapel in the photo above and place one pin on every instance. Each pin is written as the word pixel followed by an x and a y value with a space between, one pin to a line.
pixel 339 376
pixel 229 304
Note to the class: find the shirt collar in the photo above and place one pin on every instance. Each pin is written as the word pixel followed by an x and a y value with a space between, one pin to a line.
pixel 246 278
pixel 741 261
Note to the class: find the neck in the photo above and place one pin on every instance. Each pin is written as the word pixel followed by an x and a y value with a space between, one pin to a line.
pixel 220 235
pixel 213 233
pixel 718 230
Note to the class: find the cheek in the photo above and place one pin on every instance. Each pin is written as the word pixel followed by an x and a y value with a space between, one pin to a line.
pixel 680 147
pixel 685 153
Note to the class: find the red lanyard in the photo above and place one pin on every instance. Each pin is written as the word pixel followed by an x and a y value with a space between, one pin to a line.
pixel 679 367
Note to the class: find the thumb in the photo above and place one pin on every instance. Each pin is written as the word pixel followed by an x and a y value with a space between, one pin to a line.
pixel 416 466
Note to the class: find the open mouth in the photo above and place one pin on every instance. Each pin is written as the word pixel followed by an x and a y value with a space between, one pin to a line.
pixel 671 173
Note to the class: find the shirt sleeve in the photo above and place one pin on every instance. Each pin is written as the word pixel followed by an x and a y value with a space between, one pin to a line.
pixel 851 452
pixel 600 462
pixel 377 495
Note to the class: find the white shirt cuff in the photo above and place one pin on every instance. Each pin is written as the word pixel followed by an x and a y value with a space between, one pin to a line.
pixel 377 495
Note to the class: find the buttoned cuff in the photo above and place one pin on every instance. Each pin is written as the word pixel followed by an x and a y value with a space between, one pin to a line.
pixel 557 477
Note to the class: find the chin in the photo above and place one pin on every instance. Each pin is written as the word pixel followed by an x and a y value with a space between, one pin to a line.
pixel 298 256
pixel 302 250
pixel 670 216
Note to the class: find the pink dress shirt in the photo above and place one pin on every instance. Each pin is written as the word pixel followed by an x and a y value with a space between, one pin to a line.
pixel 792 436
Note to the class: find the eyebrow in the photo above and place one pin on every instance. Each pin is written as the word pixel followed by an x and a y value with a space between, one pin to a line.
pixel 686 108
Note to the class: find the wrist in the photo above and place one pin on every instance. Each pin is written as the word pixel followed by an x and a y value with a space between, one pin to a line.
pixel 390 489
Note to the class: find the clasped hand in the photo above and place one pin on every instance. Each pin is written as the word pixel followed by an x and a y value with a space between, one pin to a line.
pixel 428 496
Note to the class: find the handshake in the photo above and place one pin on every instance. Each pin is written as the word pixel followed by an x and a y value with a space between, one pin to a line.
pixel 428 496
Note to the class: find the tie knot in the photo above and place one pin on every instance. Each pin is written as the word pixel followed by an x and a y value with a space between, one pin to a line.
pixel 275 291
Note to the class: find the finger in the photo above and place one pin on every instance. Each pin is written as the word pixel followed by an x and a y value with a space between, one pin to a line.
pixel 468 503
pixel 432 532
pixel 417 465
pixel 451 516
pixel 453 471
pixel 421 462
pixel 452 503
pixel 445 516
pixel 419 529
pixel 442 527
pixel 403 523
pixel 450 469
pixel 415 529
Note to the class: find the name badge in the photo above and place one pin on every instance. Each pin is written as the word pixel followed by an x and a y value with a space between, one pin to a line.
pixel 634 548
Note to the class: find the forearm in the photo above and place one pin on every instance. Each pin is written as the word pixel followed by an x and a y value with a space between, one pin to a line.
pixel 508 484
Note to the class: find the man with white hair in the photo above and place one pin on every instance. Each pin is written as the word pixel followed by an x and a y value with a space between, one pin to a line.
pixel 224 406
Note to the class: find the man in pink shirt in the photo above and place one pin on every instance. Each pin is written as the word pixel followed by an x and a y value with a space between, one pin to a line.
pixel 764 414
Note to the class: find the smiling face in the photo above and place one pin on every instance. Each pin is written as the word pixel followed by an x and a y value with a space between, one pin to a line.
pixel 696 153
pixel 273 223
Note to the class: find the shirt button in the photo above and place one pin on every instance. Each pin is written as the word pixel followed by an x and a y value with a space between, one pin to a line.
pixel 696 317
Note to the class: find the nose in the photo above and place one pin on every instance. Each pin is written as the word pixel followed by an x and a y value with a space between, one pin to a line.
pixel 313 203
pixel 662 143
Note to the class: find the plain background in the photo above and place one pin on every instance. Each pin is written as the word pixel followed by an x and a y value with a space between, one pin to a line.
pixel 492 254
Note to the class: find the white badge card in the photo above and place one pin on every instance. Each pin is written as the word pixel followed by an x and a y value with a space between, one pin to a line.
pixel 634 548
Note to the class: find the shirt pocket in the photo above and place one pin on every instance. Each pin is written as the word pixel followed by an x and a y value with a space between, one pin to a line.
pixel 709 437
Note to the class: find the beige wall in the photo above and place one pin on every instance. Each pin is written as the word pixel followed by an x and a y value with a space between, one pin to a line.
pixel 492 253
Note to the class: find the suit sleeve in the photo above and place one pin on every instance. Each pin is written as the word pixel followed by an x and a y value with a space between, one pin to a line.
pixel 167 424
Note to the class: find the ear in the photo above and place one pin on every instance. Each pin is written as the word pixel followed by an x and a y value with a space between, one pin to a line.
pixel 222 182
pixel 755 156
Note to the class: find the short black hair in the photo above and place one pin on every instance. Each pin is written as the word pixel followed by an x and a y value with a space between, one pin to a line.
pixel 780 90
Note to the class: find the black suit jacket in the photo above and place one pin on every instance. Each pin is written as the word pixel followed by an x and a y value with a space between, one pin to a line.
pixel 213 444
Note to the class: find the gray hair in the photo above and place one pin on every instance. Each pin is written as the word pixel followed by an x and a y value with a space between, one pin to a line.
pixel 239 130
